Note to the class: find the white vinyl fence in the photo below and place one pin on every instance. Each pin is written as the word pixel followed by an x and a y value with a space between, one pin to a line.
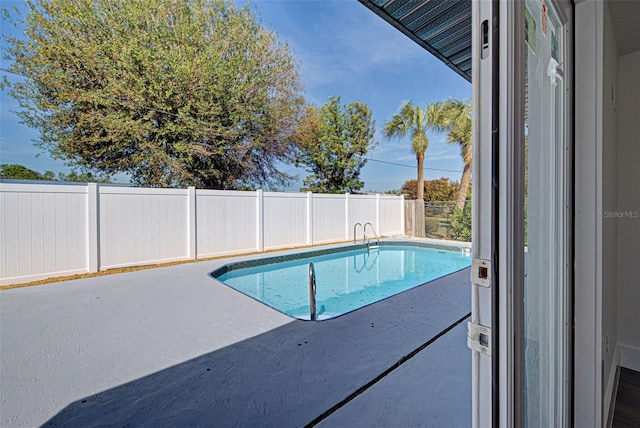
pixel 51 230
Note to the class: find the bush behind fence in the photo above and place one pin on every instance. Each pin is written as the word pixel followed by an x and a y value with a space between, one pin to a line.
pixel 441 221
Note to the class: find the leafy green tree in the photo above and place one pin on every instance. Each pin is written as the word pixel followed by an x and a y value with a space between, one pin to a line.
pixel 455 118
pixel 83 177
pixel 48 176
pixel 461 223
pixel 190 92
pixel 415 121
pixel 331 143
pixel 441 189
pixel 19 172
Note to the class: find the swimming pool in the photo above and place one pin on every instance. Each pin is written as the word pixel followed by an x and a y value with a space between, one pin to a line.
pixel 347 278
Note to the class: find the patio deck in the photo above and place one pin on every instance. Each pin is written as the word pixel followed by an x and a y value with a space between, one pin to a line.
pixel 171 347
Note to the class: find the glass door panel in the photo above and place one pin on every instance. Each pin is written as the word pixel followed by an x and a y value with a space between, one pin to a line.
pixel 544 216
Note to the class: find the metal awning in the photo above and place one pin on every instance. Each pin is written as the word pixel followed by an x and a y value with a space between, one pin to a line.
pixel 443 27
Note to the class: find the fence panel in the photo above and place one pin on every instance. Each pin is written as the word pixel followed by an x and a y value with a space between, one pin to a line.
pixel 226 222
pixel 44 231
pixel 328 213
pixel 285 219
pixel 414 218
pixel 139 226
pixel 391 221
pixel 57 229
pixel 362 209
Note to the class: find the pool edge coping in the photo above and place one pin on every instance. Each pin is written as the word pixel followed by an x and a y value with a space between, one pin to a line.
pixel 261 261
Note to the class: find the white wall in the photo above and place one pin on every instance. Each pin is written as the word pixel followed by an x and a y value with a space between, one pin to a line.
pixel 609 204
pixel 56 229
pixel 628 251
pixel 587 356
pixel 607 160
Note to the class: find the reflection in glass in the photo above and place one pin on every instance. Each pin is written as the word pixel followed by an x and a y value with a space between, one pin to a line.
pixel 543 181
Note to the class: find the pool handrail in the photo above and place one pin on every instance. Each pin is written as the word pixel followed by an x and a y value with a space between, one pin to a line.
pixel 355 230
pixel 374 234
pixel 312 293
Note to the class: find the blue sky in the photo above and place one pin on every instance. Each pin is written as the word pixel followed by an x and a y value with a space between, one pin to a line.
pixel 342 49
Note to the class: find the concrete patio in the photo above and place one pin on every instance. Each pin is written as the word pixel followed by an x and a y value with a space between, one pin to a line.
pixel 172 347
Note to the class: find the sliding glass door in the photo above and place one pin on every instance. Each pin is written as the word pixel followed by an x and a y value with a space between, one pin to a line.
pixel 522 164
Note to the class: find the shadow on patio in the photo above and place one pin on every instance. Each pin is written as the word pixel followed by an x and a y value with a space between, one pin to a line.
pixel 291 375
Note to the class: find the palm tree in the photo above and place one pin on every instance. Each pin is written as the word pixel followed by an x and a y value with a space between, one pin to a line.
pixel 415 120
pixel 455 118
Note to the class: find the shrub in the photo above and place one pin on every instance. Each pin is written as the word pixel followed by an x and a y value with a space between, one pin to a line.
pixel 461 223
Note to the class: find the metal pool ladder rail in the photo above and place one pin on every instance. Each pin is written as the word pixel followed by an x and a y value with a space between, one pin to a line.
pixel 377 245
pixel 312 292
pixel 355 226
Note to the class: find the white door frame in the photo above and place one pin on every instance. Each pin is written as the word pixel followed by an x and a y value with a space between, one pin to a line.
pixel 498 214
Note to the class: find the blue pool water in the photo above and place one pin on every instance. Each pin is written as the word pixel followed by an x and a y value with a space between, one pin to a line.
pixel 345 281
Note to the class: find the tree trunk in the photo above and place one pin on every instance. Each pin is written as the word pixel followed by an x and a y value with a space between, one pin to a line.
pixel 465 182
pixel 420 189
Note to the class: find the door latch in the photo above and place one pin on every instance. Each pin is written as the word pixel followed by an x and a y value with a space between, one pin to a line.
pixel 484 53
pixel 479 338
pixel 481 272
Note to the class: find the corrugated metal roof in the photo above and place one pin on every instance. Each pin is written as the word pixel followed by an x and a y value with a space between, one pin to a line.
pixel 443 27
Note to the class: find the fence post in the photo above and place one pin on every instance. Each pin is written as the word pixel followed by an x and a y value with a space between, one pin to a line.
pixel 346 216
pixel 260 220
pixel 419 224
pixel 402 219
pixel 309 218
pixel 410 217
pixel 193 233
pixel 93 227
